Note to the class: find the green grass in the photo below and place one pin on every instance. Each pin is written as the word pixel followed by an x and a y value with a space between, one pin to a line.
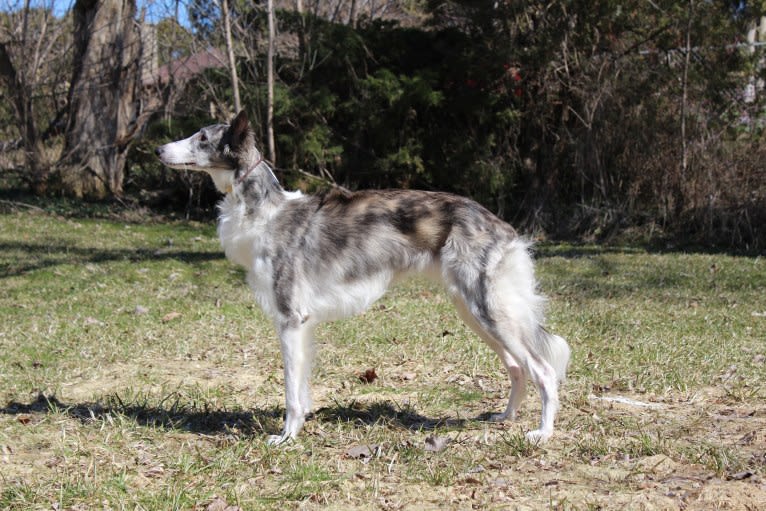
pixel 136 372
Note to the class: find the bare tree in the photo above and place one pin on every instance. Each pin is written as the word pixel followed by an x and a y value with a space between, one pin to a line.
pixel 685 99
pixel 33 55
pixel 301 31
pixel 103 97
pixel 230 52
pixel 270 85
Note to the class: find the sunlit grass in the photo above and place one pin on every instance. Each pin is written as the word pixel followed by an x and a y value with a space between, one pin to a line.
pixel 137 373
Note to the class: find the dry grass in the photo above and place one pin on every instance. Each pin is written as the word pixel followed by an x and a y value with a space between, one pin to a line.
pixel 111 400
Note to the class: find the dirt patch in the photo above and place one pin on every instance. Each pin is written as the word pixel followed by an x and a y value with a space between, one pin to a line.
pixel 153 376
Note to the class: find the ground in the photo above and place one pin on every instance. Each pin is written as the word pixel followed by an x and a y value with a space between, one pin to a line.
pixel 137 373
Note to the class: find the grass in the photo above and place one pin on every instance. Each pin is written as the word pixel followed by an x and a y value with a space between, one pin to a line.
pixel 137 373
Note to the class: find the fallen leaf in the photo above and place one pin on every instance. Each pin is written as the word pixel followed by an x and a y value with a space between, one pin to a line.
pixel 318 498
pixel 170 316
pixel 218 504
pixel 436 443
pixel 155 471
pixel 408 376
pixel 93 321
pixel 24 419
pixel 368 376
pixel 363 451
pixel 139 310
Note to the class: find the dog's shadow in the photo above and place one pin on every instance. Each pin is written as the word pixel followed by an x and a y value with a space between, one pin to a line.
pixel 172 415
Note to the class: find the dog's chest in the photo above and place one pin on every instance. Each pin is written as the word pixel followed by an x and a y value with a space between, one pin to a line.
pixel 245 238
pixel 249 241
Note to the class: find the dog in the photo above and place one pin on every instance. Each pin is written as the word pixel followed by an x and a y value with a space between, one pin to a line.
pixel 321 257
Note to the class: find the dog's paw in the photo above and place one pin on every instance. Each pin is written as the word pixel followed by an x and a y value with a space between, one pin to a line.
pixel 501 417
pixel 538 436
pixel 275 440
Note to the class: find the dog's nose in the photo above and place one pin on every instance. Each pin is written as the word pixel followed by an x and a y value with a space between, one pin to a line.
pixel 158 151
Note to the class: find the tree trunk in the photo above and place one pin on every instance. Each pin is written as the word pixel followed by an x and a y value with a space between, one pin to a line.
pixel 677 187
pixel 103 98
pixel 301 35
pixel 270 86
pixel 230 52
pixel 352 14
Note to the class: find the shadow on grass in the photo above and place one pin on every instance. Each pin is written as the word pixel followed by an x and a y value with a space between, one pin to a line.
pixel 171 414
pixel 39 256
pixel 384 412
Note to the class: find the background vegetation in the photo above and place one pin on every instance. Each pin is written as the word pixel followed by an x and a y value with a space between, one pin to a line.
pixel 592 119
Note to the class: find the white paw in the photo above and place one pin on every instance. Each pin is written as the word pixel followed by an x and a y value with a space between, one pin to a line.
pixel 278 439
pixel 538 436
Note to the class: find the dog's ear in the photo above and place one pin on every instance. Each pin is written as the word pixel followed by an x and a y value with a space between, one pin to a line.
pixel 239 129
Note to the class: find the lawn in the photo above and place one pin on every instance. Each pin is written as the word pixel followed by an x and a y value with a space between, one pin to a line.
pixel 136 372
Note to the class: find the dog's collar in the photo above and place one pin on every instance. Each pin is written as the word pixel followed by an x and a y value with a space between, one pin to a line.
pixel 241 178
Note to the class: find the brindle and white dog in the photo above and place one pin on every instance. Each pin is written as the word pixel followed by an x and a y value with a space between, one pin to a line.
pixel 315 258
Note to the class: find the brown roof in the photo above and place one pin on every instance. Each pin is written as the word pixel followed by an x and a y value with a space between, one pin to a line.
pixel 181 70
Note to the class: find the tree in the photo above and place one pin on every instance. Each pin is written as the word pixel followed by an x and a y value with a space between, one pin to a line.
pixel 270 83
pixel 33 60
pixel 104 106
pixel 230 54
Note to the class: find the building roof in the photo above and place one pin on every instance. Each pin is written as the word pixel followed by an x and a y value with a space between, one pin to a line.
pixel 184 68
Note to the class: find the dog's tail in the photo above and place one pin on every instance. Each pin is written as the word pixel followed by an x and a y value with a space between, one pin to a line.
pixel 554 350
pixel 517 292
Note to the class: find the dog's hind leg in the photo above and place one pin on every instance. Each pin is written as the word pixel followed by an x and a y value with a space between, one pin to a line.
pixel 525 355
pixel 297 356
pixel 499 300
pixel 515 311
pixel 515 372
pixel 545 378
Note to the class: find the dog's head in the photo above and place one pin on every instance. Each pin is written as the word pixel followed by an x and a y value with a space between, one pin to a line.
pixel 220 150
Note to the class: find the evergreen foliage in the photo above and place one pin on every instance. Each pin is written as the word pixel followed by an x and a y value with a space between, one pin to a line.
pixel 568 117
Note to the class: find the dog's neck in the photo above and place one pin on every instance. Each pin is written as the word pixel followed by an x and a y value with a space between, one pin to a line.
pixel 254 183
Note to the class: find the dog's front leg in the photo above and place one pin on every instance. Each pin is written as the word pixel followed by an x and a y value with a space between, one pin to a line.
pixel 297 354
